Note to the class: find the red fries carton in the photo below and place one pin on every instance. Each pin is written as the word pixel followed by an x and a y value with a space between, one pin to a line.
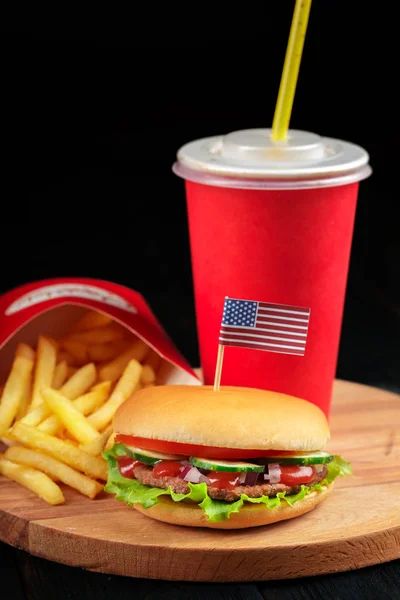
pixel 51 307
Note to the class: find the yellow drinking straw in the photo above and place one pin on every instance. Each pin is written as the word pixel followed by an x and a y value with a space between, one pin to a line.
pixel 290 72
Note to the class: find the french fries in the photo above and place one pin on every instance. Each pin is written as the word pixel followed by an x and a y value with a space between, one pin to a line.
pixel 44 370
pixel 71 371
pixel 107 352
pixel 26 351
pixel 147 375
pixel 94 336
pixel 114 369
pixel 58 402
pixel 124 388
pixel 110 442
pixel 36 481
pixel 63 355
pixel 54 468
pixel 92 320
pixel 94 466
pixel 30 354
pixel 79 382
pixel 77 350
pixel 70 417
pixel 74 387
pixel 25 399
pixel 14 390
pixel 35 416
pixel 84 404
pixel 60 375
pixel 96 447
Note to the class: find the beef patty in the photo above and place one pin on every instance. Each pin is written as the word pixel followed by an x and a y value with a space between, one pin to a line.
pixel 144 474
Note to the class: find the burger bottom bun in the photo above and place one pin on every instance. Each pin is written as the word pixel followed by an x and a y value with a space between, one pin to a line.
pixel 250 515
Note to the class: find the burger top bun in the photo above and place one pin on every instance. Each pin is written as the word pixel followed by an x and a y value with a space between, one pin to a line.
pixel 233 417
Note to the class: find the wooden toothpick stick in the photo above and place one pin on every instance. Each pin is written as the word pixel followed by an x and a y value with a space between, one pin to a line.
pixel 218 368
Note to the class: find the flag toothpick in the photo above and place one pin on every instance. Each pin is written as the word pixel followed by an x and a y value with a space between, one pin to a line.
pixel 218 368
pixel 261 326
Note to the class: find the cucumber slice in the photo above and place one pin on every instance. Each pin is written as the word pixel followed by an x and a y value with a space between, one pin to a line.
pixel 150 457
pixel 314 458
pixel 225 465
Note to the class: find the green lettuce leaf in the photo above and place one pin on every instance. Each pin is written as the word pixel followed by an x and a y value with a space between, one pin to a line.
pixel 131 491
pixel 337 468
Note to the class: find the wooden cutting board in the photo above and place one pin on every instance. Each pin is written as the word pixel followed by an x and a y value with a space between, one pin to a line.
pixel 357 526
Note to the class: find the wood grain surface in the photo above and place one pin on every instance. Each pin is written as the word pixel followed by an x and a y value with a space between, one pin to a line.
pixel 357 526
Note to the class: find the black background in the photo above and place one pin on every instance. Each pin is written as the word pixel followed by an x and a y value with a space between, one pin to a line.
pixel 91 123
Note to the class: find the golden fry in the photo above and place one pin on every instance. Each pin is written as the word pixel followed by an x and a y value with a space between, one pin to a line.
pixel 67 453
pixel 44 369
pixel 110 442
pixel 7 441
pixel 69 359
pixel 36 481
pixel 56 469
pixel 77 350
pixel 71 371
pixel 26 397
pixel 96 447
pixel 107 352
pixel 77 385
pixel 84 404
pixel 35 416
pixel 70 417
pixel 69 440
pixel 114 369
pixel 153 359
pixel 60 375
pixel 93 399
pixel 147 375
pixel 79 382
pixel 102 335
pixel 14 390
pixel 30 354
pixel 124 388
pixel 26 351
pixel 92 320
pixel 100 385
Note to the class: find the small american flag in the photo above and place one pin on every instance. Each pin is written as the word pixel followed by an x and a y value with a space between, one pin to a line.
pixel 264 326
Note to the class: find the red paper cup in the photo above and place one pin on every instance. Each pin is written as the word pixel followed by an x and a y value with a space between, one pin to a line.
pixel 272 227
pixel 50 307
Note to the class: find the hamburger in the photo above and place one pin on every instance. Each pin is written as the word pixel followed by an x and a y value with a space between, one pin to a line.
pixel 236 458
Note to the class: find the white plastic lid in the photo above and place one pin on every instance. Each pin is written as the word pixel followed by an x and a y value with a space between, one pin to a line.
pixel 250 159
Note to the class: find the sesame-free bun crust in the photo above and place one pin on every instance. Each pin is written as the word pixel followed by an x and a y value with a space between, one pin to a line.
pixel 250 515
pixel 233 417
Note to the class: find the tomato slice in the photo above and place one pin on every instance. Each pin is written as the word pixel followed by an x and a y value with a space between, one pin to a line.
pixel 167 468
pixel 193 449
pixel 296 475
pixel 127 465
pixel 223 480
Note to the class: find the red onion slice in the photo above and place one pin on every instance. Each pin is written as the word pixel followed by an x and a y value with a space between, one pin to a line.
pixel 193 475
pixel 274 473
pixel 251 478
pixel 185 471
